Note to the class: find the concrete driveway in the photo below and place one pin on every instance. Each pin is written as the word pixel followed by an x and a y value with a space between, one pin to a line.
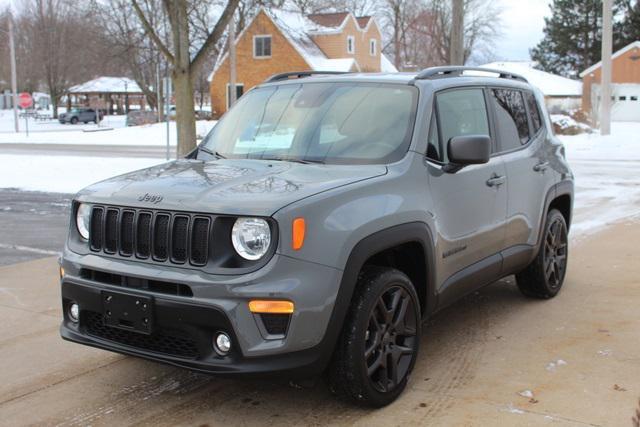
pixel 494 358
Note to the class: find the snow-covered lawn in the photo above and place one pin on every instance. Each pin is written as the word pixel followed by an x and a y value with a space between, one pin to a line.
pixel 112 131
pixel 63 174
pixel 607 176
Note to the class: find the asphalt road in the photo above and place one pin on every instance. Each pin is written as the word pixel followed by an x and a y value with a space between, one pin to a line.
pixel 32 225
pixel 492 359
pixel 146 151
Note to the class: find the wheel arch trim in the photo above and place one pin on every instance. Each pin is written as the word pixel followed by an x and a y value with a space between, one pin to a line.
pixel 367 247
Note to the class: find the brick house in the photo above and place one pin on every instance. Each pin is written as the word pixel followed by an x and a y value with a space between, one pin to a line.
pixel 277 41
pixel 625 88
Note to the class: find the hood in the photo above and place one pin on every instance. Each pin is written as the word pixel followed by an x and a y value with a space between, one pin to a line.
pixel 225 186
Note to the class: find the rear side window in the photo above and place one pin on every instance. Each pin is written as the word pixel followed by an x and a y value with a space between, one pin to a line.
pixel 511 118
pixel 461 112
pixel 534 112
pixel 433 144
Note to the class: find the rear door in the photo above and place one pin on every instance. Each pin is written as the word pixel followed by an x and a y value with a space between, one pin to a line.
pixel 521 139
pixel 470 204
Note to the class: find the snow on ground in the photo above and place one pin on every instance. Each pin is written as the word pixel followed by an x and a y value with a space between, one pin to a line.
pixel 63 174
pixel 607 176
pixel 112 131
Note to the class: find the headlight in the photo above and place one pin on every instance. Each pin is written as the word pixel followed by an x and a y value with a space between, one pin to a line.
pixel 251 237
pixel 82 220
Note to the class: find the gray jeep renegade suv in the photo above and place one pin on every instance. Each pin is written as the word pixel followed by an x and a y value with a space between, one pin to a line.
pixel 318 225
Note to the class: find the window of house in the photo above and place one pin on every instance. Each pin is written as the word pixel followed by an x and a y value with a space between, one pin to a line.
pixel 239 93
pixel 351 44
pixel 261 46
pixel 534 112
pixel 511 118
pixel 623 98
pixel 634 98
pixel 460 112
pixel 373 47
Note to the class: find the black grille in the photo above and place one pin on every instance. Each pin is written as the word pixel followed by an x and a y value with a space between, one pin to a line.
pixel 160 236
pixel 200 241
pixel 96 229
pixel 179 239
pixel 173 343
pixel 111 232
pixel 275 324
pixel 126 233
pixel 143 236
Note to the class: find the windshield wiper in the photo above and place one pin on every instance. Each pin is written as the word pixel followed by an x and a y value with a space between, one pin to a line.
pixel 291 159
pixel 213 153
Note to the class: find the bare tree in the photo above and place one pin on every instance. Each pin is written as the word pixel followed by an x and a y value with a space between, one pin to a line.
pixel 481 27
pixel 456 48
pixel 183 64
pixel 129 42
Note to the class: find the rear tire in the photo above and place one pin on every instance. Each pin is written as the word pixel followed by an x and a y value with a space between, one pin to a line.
pixel 543 278
pixel 380 339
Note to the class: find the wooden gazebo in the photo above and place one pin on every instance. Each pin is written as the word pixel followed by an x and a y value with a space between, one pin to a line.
pixel 115 95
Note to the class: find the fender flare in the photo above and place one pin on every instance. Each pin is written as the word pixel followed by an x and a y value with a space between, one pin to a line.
pixel 379 241
pixel 562 188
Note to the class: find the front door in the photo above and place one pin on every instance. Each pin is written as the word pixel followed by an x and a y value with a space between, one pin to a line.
pixel 470 204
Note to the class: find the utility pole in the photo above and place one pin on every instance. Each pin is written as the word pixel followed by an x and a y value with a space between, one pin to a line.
pixel 158 92
pixel 232 61
pixel 456 50
pixel 605 81
pixel 14 78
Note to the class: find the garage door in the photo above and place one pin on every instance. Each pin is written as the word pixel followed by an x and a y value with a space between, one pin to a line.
pixel 626 102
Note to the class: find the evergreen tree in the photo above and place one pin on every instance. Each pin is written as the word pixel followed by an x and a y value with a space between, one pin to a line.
pixel 629 27
pixel 572 38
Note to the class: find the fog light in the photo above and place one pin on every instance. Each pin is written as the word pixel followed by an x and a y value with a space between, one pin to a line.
pixel 74 312
pixel 222 344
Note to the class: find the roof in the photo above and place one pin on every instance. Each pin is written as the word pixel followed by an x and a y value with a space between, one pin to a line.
pixel 330 20
pixel 298 29
pixel 107 85
pixel 549 84
pixel 622 51
pixel 386 66
pixel 363 21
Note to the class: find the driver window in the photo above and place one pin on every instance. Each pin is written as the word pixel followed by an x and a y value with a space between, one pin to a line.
pixel 462 112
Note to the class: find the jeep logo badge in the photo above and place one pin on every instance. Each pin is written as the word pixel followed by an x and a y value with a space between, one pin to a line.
pixel 151 198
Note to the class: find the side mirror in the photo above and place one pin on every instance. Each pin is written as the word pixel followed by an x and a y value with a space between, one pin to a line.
pixel 468 150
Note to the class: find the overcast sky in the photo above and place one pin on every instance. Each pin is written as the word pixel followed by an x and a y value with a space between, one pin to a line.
pixel 522 27
pixel 523 22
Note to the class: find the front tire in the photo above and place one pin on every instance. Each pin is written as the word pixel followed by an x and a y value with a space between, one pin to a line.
pixel 543 278
pixel 380 340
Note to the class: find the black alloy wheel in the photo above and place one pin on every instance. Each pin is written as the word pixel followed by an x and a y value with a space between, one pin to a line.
pixel 555 253
pixel 390 339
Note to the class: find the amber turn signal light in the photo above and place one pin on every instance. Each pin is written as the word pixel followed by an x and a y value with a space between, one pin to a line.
pixel 297 239
pixel 270 306
pixel 61 272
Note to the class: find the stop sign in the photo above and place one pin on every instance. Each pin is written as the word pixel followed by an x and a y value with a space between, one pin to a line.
pixel 25 100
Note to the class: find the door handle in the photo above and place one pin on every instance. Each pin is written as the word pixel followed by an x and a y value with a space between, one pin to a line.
pixel 496 181
pixel 541 167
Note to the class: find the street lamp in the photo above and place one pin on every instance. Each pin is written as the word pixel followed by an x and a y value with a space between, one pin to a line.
pixel 14 80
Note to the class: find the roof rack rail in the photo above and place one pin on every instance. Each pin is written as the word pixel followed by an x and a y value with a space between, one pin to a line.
pixel 300 75
pixel 457 71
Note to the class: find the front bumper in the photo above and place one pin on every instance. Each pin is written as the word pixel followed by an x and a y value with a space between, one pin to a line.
pixel 184 327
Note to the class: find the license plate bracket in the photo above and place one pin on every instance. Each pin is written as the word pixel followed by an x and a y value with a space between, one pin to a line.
pixel 127 311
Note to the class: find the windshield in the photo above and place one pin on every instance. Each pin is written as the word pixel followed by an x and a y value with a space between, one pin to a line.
pixel 318 122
